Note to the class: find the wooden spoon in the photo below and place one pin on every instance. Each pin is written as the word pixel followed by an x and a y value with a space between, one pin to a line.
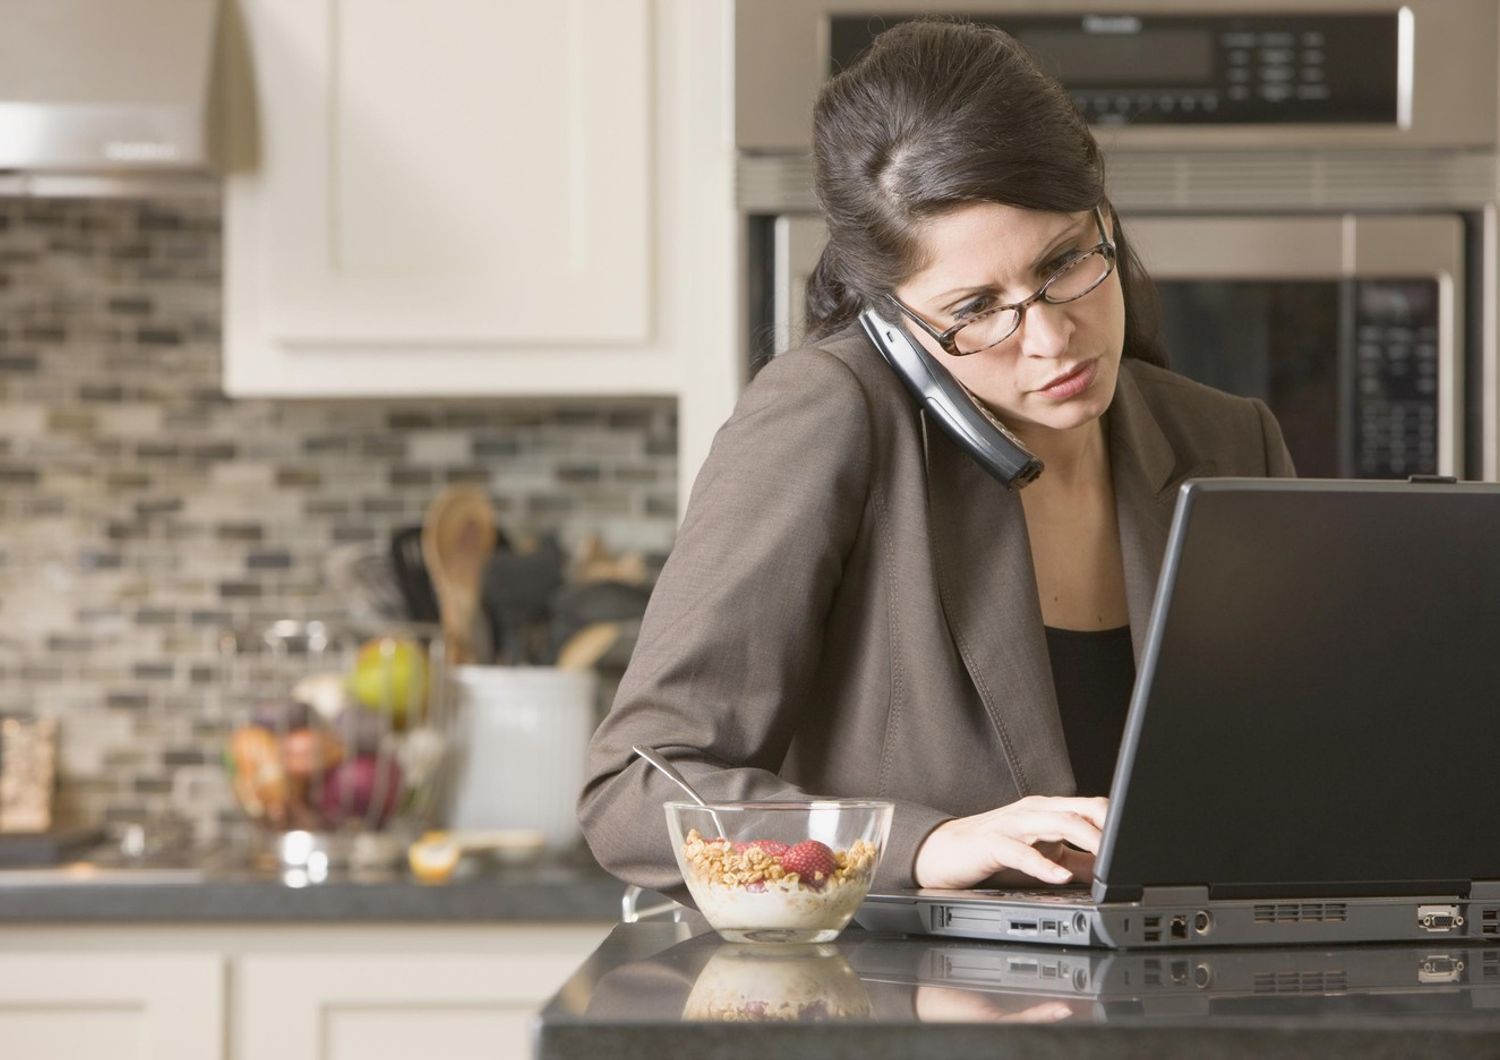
pixel 458 536
pixel 586 647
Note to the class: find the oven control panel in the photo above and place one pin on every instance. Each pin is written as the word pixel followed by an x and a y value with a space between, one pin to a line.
pixel 1124 69
pixel 1395 403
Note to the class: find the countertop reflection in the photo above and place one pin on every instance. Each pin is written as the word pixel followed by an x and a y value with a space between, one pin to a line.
pixel 664 986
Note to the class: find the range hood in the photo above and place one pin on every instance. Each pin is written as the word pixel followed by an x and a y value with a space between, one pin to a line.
pixel 105 89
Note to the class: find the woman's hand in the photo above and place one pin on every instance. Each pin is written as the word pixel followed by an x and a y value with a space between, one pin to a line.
pixel 1026 837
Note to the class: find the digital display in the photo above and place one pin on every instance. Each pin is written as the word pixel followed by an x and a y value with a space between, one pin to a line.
pixel 1164 57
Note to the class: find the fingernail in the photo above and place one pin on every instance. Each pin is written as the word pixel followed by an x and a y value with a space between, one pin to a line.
pixel 1061 875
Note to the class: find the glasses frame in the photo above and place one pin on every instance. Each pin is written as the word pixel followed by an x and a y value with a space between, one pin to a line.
pixel 1105 248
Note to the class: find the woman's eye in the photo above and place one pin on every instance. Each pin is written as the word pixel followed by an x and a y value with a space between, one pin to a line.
pixel 973 307
pixel 1064 260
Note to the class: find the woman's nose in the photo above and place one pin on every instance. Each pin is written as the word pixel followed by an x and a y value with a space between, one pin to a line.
pixel 1046 330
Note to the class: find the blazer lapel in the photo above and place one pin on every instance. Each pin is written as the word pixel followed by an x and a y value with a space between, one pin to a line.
pixel 988 584
pixel 1146 475
pixel 988 588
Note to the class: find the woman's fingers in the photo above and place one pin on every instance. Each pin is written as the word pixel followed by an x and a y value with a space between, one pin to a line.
pixel 1016 854
pixel 1054 827
pixel 1091 810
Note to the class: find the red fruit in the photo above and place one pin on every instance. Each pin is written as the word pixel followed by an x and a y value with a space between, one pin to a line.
pixel 812 861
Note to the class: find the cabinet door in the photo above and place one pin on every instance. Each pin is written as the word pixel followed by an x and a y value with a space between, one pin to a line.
pixel 445 173
pixel 395 1006
pixel 157 1007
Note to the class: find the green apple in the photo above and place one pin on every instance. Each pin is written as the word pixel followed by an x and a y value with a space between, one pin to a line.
pixel 390 674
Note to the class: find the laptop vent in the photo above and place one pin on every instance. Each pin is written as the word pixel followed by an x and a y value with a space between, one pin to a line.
pixel 1301 913
pixel 1489 922
pixel 1335 982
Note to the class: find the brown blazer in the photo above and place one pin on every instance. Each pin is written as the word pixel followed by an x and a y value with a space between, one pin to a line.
pixel 850 607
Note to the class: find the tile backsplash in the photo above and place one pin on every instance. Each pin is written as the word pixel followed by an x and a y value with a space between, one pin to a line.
pixel 142 511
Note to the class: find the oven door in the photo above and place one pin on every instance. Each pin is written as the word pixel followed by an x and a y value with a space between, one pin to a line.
pixel 1349 327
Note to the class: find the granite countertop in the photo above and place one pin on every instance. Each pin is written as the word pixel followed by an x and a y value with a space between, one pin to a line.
pixel 657 989
pixel 219 886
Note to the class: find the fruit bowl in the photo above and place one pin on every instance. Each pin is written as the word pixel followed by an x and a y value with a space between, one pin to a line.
pixel 339 754
pixel 779 871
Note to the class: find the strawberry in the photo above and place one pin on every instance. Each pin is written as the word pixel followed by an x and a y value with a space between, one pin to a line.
pixel 812 861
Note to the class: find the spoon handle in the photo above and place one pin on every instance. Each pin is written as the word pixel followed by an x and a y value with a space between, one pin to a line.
pixel 655 757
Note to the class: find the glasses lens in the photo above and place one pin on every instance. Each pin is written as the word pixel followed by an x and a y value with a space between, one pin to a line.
pixel 1078 277
pixel 983 333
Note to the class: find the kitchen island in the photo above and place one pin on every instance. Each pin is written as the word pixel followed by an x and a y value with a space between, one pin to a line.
pixel 661 989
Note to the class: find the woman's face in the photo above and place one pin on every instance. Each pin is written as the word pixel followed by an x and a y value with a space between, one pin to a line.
pixel 1058 370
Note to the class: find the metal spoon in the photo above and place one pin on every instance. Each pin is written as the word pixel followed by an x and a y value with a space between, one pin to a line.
pixel 655 757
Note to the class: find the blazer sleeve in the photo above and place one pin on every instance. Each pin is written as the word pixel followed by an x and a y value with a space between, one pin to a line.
pixel 1278 457
pixel 733 633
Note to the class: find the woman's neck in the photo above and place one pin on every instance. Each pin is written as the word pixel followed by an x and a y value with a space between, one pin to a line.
pixel 1073 458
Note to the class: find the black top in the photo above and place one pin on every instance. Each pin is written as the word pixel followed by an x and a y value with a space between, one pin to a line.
pixel 1093 671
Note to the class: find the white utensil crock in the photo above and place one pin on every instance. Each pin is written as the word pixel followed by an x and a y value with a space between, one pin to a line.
pixel 522 735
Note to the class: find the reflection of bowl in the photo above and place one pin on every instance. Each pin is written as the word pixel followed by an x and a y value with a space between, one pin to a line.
pixel 779 871
pixel 752 983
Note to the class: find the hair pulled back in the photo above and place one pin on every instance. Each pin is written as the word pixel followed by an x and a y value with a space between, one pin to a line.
pixel 938 114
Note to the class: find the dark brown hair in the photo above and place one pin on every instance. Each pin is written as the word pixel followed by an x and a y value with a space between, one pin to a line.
pixel 939 113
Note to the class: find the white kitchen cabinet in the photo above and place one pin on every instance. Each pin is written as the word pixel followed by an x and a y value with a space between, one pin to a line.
pixel 395 1006
pixel 479 197
pixel 282 992
pixel 148 1007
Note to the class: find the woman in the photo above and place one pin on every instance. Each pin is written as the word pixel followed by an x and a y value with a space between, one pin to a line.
pixel 853 606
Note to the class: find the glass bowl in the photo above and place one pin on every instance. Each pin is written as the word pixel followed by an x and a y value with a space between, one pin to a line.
pixel 779 871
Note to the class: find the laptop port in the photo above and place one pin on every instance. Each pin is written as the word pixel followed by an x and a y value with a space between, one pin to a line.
pixel 1179 927
pixel 1440 968
pixel 1437 918
pixel 1202 922
pixel 1023 927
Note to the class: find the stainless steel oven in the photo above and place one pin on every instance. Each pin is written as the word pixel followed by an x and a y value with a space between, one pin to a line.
pixel 1314 191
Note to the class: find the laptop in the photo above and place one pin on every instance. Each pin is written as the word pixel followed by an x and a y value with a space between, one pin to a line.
pixel 1312 751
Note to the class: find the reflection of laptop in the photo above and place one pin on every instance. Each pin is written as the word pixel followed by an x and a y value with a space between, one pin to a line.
pixel 1401 980
pixel 1312 752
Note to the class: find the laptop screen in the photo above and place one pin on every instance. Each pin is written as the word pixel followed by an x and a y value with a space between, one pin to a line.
pixel 1318 704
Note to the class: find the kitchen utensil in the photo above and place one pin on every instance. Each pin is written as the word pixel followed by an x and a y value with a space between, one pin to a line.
pixel 655 757
pixel 366 579
pixel 411 575
pixel 576 606
pixel 519 587
pixel 595 563
pixel 458 537
pixel 585 648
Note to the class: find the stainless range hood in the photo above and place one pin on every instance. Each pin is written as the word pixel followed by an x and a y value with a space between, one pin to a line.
pixel 104 96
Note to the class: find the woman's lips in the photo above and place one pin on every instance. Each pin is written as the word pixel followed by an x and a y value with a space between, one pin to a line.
pixel 1072 384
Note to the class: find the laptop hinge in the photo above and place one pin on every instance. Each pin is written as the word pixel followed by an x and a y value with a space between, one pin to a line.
pixel 1157 896
pixel 1484 891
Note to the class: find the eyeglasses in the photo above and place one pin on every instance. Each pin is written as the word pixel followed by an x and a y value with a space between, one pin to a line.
pixel 979 326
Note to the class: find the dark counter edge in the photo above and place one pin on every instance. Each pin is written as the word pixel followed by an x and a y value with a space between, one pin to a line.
pixel 885 1041
pixel 589 897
